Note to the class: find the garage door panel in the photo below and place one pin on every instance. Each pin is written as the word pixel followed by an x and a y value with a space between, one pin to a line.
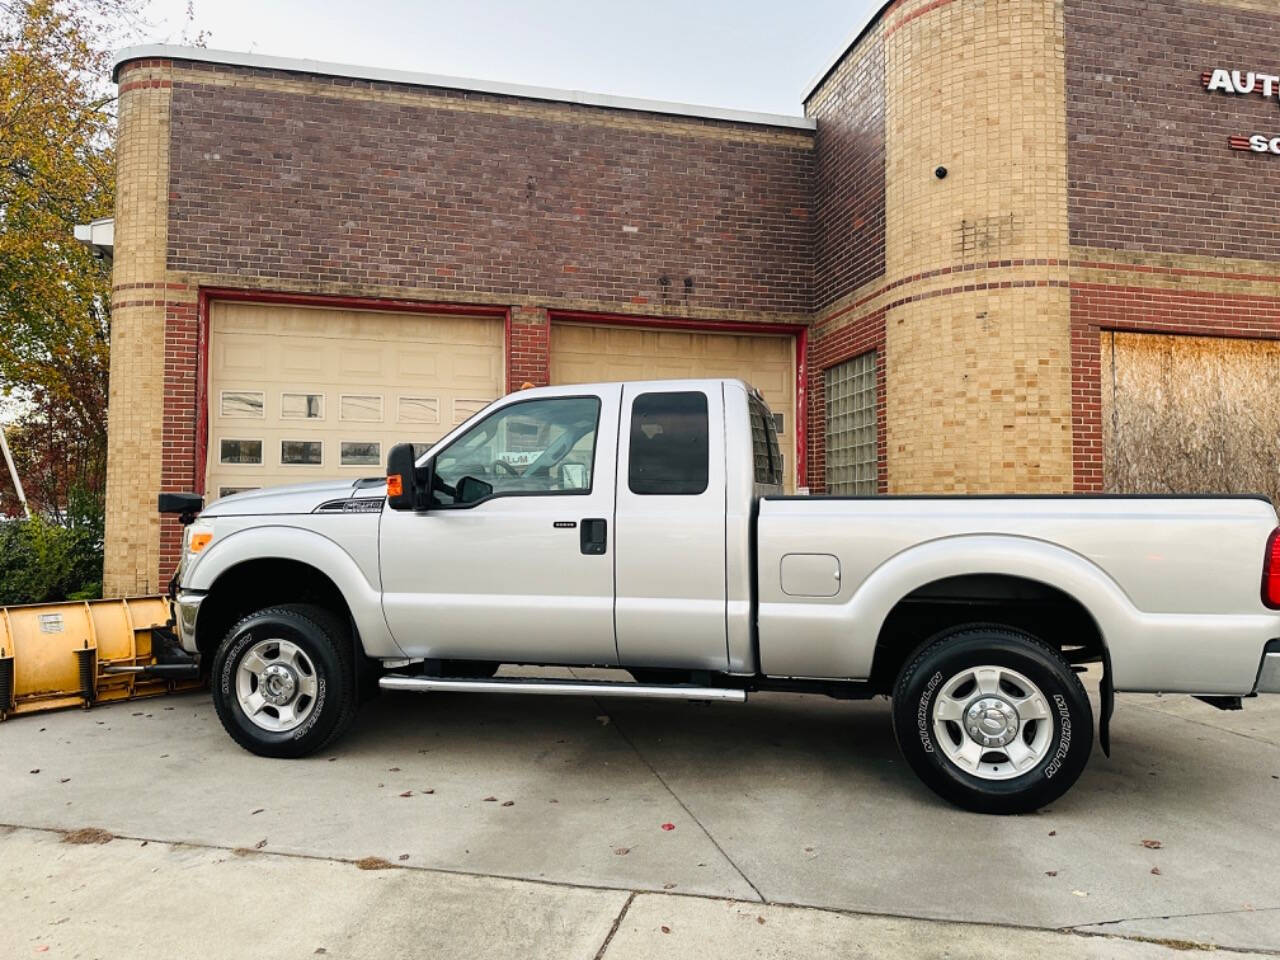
pixel 581 353
pixel 382 379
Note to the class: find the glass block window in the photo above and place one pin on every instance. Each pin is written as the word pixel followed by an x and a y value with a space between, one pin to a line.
pixel 851 427
pixel 302 406
pixel 302 452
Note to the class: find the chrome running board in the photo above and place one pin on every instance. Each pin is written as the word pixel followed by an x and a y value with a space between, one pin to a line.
pixel 560 688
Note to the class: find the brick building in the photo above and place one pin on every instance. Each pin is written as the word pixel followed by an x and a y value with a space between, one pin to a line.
pixel 1009 243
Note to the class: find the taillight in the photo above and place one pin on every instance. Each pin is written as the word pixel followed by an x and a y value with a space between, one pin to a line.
pixel 1271 571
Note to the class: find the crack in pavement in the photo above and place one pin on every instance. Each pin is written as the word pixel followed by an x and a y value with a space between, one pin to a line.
pixel 1174 916
pixel 1074 931
pixel 617 922
pixel 676 797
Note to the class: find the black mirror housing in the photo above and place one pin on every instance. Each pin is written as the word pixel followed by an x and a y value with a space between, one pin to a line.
pixel 408 485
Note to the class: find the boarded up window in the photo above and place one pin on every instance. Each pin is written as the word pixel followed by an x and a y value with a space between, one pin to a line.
pixel 1190 414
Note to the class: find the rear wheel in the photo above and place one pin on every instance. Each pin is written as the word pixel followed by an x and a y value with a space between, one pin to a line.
pixel 284 683
pixel 993 720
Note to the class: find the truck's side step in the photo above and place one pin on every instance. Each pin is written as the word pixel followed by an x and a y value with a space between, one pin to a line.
pixel 560 688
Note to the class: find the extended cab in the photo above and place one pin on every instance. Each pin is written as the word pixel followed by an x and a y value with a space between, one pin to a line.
pixel 642 526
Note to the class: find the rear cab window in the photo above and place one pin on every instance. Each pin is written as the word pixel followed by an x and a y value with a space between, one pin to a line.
pixel 764 444
pixel 670 444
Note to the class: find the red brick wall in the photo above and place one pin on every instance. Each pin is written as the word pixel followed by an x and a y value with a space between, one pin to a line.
pixel 827 349
pixel 849 174
pixel 529 348
pixel 1150 165
pixel 271 186
pixel 178 467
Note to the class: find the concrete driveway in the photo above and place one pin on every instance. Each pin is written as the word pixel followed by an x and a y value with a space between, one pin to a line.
pixel 571 827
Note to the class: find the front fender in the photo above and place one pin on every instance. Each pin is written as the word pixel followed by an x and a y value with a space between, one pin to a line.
pixel 270 541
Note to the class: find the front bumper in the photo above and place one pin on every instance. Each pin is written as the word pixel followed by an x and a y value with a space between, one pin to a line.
pixel 186 607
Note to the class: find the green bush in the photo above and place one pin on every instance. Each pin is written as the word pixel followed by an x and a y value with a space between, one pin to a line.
pixel 42 561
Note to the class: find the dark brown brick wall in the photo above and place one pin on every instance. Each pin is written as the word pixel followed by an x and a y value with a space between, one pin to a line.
pixel 849 174
pixel 1150 166
pixel 274 186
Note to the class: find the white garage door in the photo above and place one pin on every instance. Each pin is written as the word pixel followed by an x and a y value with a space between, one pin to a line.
pixel 303 393
pixel 587 354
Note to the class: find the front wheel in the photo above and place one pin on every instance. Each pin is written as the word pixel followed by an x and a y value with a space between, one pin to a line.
pixel 284 683
pixel 993 720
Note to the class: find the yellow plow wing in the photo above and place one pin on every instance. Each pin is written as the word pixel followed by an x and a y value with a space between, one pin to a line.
pixel 79 653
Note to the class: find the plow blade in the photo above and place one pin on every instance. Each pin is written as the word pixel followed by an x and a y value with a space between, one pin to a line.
pixel 76 654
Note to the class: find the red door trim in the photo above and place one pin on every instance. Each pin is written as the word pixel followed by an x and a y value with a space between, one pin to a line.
pixel 240 295
pixel 798 331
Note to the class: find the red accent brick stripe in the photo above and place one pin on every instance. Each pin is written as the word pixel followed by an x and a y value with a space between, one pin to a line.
pixel 915 15
pixel 1176 271
pixel 145 85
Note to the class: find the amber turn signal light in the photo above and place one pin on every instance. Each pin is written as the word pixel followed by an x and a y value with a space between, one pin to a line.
pixel 199 541
pixel 395 485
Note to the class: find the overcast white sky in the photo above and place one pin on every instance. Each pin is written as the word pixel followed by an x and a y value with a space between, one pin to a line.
pixel 747 54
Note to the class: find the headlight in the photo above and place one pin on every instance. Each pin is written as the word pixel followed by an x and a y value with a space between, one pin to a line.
pixel 198 536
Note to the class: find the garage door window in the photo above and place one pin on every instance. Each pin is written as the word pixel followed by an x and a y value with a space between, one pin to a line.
pixel 242 404
pixel 302 406
pixel 240 451
pixel 533 447
pixel 307 453
pixel 851 427
pixel 361 407
pixel 670 449
pixel 355 453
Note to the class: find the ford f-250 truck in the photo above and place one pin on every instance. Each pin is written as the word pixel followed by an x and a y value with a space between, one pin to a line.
pixel 642 526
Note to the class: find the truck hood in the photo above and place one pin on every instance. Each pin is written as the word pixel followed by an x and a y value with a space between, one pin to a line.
pixel 338 496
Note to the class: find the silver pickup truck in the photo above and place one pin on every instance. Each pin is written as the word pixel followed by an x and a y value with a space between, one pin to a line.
pixel 642 526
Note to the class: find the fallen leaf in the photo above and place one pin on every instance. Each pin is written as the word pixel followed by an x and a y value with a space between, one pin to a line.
pixel 331 759
pixel 407 793
pixel 144 843
pixel 1155 871
pixel 1051 873
pixel 508 803
pixel 760 920
pixel 1078 893
pixel 621 851
pixel 490 799
pixel 664 929
pixel 393 770
pixel 1152 844
pixel 668 826
pixel 36 770
pixel 321 950
pixel 429 790
pixel 1053 833
pixel 65 780
pixel 260 844
pixel 404 856
pixel 256 812
pixel 668 886
pixel 373 863
pixel 553 800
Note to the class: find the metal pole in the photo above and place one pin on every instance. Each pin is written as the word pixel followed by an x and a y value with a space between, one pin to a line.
pixel 13 472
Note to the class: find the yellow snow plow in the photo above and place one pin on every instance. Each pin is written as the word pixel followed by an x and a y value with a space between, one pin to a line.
pixel 80 653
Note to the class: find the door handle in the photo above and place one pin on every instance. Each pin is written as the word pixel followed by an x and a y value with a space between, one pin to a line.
pixel 594 537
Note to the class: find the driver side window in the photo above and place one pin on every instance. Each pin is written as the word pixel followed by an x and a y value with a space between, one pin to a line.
pixel 533 447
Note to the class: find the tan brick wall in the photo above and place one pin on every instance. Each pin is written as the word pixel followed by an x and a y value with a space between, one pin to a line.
pixel 978 327
pixel 136 418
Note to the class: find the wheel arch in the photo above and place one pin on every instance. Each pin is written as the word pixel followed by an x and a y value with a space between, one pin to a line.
pixel 260 567
pixel 1042 589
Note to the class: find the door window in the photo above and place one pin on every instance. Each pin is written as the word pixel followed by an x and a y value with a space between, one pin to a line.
pixel 533 447
pixel 669 444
